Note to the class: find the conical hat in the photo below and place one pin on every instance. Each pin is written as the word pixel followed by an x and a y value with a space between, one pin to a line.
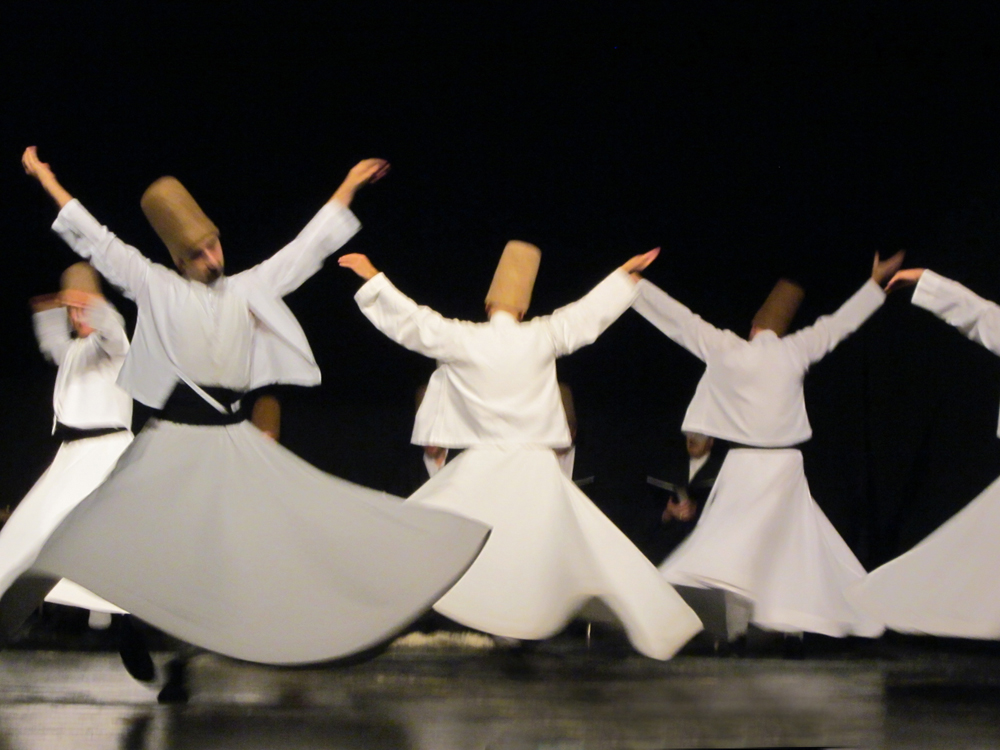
pixel 81 277
pixel 515 276
pixel 176 217
pixel 778 310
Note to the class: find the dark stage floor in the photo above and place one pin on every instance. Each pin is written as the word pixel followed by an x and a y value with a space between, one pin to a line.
pixel 559 696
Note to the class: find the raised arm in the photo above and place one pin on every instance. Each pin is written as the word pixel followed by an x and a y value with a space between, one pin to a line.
pixel 120 264
pixel 51 327
pixel 46 177
pixel 676 321
pixel 822 337
pixel 108 326
pixel 324 235
pixel 975 317
pixel 414 326
pixel 366 172
pixel 579 323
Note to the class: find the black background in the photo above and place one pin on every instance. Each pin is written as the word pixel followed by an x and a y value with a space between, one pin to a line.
pixel 749 140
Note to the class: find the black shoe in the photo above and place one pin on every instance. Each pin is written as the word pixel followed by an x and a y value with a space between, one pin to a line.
pixel 792 647
pixel 175 688
pixel 736 647
pixel 132 649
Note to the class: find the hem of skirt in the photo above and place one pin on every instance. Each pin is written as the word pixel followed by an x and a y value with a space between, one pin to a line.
pixel 947 628
pixel 502 631
pixel 780 618
pixel 792 621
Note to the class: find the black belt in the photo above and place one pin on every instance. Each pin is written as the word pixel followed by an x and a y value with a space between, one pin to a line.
pixel 185 406
pixel 67 434
pixel 740 446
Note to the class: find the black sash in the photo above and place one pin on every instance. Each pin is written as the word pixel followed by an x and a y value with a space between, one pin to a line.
pixel 739 446
pixel 185 406
pixel 67 434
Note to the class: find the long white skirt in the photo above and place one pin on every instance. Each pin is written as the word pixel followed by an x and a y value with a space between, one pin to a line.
pixel 78 468
pixel 223 538
pixel 550 552
pixel 947 584
pixel 763 537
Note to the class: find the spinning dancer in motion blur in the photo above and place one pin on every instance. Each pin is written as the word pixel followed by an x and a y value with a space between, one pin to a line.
pixel 762 538
pixel 206 528
pixel 495 394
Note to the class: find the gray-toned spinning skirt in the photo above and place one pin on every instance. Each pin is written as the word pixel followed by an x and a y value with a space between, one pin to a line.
pixel 221 537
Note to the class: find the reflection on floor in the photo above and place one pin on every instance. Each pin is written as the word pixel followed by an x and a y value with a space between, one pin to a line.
pixel 558 696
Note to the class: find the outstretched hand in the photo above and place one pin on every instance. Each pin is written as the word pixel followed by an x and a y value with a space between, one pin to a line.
pixel 639 263
pixel 46 177
pixel 359 264
pixel 882 270
pixel 906 277
pixel 366 172
pixel 45 302
pixel 33 165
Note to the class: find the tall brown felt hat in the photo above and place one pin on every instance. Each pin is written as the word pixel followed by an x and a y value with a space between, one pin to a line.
pixel 515 276
pixel 778 310
pixel 81 277
pixel 176 217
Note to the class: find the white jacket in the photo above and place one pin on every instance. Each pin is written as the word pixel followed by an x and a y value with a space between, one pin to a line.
pixel 280 352
pixel 496 382
pixel 85 395
pixel 751 392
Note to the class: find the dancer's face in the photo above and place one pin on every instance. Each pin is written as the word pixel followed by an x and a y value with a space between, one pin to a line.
pixel 205 263
pixel 78 321
pixel 698 445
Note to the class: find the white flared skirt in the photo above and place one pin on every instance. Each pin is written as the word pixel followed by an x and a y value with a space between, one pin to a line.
pixel 764 538
pixel 77 470
pixel 223 538
pixel 551 551
pixel 947 584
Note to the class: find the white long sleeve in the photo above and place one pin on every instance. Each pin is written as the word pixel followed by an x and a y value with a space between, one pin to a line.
pixel 52 333
pixel 277 350
pixel 286 270
pixel 496 381
pixel 816 341
pixel 677 322
pixel 417 327
pixel 579 323
pixel 751 392
pixel 109 328
pixel 122 265
pixel 956 305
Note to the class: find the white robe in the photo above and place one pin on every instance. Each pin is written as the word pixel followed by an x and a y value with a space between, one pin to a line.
pixel 216 533
pixel 751 392
pixel 495 394
pixel 761 535
pixel 279 351
pixel 947 584
pixel 85 397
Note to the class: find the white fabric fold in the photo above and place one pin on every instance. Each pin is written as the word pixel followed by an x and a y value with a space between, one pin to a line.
pixel 216 534
pixel 550 552
pixel 763 537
